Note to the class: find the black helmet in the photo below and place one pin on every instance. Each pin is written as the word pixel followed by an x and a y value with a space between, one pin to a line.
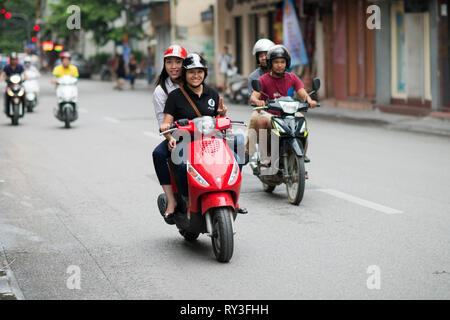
pixel 194 61
pixel 278 51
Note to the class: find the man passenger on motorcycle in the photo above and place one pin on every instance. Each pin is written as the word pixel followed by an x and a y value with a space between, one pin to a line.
pixel 14 67
pixel 205 98
pixel 260 50
pixel 65 68
pixel 276 84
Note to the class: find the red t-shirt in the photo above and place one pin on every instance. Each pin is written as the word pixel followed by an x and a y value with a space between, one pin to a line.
pixel 279 87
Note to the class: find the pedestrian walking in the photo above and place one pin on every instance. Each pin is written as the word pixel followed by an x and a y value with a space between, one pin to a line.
pixel 132 70
pixel 226 62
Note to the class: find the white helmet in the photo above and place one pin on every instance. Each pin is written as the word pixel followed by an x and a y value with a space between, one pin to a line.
pixel 27 59
pixel 262 45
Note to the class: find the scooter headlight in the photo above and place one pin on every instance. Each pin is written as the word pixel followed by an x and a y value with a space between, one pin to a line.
pixel 234 173
pixel 289 107
pixel 21 92
pixel 9 92
pixel 194 174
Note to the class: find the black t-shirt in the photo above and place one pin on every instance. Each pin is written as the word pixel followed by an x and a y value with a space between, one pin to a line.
pixel 10 71
pixel 179 107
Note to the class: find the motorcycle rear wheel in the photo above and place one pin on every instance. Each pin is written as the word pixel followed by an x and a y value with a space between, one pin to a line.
pixel 222 234
pixel 295 186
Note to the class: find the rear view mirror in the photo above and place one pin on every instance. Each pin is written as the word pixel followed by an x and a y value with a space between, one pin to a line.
pixel 256 85
pixel 316 84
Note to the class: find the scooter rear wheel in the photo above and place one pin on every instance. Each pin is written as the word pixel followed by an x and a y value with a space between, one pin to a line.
pixel 222 234
pixel 189 236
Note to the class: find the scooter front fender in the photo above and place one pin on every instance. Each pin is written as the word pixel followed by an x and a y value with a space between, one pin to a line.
pixel 217 199
pixel 296 147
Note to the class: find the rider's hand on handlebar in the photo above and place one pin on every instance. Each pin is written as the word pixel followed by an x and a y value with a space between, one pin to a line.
pixel 312 103
pixel 165 127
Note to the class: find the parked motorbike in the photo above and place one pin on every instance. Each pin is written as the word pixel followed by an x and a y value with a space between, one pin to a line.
pixel 237 87
pixel 214 184
pixel 31 90
pixel 67 96
pixel 291 128
pixel 16 93
pixel 105 73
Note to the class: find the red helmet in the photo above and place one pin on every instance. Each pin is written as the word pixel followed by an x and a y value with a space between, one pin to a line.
pixel 65 55
pixel 175 51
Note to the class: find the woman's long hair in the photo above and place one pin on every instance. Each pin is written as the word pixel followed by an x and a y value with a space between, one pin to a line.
pixel 162 78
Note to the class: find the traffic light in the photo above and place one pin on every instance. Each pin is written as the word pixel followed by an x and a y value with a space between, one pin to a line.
pixel 36 28
pixel 8 15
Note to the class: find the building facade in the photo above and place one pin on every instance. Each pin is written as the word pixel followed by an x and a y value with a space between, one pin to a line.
pixel 386 54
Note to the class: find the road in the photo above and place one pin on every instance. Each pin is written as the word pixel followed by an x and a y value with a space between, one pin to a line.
pixel 374 222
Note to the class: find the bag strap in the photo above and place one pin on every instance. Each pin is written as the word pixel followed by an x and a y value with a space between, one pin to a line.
pixel 190 101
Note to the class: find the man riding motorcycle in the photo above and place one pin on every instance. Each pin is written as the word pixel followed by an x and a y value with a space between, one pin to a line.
pixel 277 83
pixel 260 50
pixel 14 67
pixel 65 68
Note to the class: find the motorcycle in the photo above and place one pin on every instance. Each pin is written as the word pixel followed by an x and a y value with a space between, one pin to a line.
pixel 214 187
pixel 15 92
pixel 67 96
pixel 31 91
pixel 237 87
pixel 291 128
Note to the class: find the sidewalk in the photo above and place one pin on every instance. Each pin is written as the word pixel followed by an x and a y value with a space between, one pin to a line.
pixel 435 123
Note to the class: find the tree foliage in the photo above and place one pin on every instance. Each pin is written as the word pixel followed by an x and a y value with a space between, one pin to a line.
pixel 97 16
pixel 14 32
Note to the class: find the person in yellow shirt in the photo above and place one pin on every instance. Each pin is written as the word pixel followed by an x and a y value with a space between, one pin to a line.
pixel 65 69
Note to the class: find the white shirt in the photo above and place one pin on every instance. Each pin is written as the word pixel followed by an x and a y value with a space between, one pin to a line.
pixel 160 97
pixel 224 61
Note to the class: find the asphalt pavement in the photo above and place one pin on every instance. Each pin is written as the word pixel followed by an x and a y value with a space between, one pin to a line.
pixel 78 214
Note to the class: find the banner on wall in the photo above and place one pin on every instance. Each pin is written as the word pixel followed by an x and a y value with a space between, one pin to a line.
pixel 292 35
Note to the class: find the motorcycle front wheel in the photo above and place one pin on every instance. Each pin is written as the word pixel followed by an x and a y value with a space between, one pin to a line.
pixel 15 115
pixel 295 186
pixel 67 116
pixel 222 234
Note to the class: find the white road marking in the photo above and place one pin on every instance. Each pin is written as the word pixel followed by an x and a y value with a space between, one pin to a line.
pixel 2 181
pixel 359 201
pixel 153 135
pixel 112 120
pixel 8 194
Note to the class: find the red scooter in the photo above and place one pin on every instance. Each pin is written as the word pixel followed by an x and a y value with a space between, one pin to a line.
pixel 214 184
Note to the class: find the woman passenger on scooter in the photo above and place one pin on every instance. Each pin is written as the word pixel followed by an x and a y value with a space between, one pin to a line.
pixel 206 100
pixel 168 81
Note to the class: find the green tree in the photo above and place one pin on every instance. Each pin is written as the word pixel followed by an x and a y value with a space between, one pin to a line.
pixel 97 16
pixel 14 32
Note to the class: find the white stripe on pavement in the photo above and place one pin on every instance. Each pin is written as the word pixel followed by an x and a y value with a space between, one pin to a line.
pixel 361 202
pixel 112 120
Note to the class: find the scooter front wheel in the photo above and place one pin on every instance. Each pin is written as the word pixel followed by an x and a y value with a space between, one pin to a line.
pixel 67 116
pixel 222 234
pixel 295 186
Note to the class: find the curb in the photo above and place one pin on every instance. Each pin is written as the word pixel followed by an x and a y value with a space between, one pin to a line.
pixel 9 288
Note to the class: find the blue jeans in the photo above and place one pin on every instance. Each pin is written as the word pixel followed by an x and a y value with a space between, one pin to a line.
pixel 150 74
pixel 160 156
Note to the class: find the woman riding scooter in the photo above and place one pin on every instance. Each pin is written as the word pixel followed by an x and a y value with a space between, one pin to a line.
pixel 169 80
pixel 177 107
